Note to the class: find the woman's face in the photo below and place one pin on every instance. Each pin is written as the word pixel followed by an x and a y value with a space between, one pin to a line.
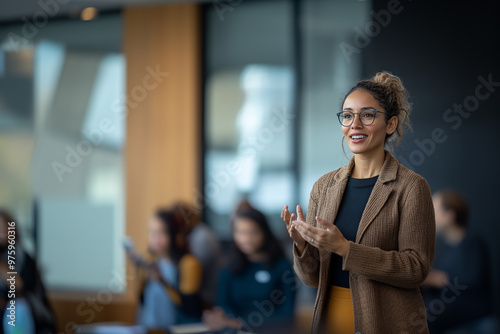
pixel 374 134
pixel 159 240
pixel 247 235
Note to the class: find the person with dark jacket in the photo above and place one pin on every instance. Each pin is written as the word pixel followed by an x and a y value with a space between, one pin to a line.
pixel 33 313
pixel 256 290
pixel 457 291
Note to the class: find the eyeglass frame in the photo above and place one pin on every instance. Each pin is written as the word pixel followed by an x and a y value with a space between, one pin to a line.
pixel 358 113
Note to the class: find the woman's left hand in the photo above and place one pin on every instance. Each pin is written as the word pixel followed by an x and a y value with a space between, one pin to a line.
pixel 330 239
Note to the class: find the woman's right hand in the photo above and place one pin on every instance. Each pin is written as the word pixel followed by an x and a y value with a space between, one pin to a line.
pixel 436 279
pixel 294 234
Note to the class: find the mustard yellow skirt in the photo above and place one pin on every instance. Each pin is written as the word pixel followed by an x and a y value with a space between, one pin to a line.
pixel 340 316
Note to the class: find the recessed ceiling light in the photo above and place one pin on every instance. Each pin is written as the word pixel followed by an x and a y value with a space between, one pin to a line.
pixel 89 13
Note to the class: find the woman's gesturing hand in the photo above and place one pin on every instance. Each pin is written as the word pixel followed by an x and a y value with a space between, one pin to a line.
pixel 294 234
pixel 330 239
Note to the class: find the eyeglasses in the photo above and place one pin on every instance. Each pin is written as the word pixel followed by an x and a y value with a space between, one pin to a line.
pixel 367 117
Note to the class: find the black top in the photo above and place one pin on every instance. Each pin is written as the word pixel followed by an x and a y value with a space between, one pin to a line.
pixel 351 209
pixel 261 292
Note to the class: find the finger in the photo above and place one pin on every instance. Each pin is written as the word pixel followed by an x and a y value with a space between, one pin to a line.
pixel 302 233
pixel 287 216
pixel 300 213
pixel 292 218
pixel 325 223
pixel 309 237
pixel 283 212
pixel 301 224
pixel 296 236
pixel 306 231
pixel 289 225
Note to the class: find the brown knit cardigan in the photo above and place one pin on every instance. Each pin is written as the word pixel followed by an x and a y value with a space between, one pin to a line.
pixel 390 258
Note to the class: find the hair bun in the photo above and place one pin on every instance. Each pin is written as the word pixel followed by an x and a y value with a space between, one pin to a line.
pixel 390 81
pixel 396 92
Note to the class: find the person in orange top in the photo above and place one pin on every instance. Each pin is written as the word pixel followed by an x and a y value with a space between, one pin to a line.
pixel 172 283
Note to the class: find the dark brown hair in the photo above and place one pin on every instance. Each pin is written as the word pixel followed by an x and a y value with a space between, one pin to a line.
pixel 187 216
pixel 452 200
pixel 177 248
pixel 7 217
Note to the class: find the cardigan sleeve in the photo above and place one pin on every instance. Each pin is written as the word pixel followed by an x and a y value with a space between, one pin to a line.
pixel 408 266
pixel 306 265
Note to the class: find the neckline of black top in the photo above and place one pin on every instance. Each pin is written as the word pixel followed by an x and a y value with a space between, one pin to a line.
pixel 362 183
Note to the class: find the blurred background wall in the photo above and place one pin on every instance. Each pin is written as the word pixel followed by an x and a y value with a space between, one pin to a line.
pixel 108 112
pixel 444 51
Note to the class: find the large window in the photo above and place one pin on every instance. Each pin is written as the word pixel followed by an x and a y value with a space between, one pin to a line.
pixel 275 75
pixel 260 145
pixel 250 117
pixel 62 134
pixel 330 68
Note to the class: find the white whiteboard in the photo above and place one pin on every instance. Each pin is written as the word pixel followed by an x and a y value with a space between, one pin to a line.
pixel 78 244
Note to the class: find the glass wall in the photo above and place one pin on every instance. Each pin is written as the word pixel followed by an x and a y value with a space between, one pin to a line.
pixel 330 68
pixel 61 146
pixel 249 114
pixel 259 145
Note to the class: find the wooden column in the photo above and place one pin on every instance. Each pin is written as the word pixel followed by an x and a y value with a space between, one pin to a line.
pixel 162 49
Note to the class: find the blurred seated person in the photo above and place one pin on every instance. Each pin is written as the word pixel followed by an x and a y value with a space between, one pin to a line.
pixel 172 281
pixel 203 245
pixel 457 289
pixel 24 296
pixel 255 290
